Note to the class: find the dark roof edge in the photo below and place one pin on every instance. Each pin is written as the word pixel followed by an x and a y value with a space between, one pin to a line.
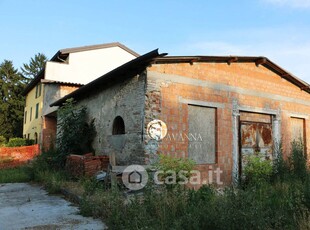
pixel 258 60
pixel 33 82
pixel 133 66
pixel 60 82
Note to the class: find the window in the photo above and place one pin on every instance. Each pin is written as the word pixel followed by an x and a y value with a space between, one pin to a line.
pixel 118 126
pixel 28 136
pixel 37 110
pixel 297 126
pixel 25 118
pixel 38 90
pixel 30 113
pixel 202 134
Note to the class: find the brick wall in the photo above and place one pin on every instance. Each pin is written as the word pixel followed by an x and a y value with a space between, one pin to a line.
pixel 171 87
pixel 49 132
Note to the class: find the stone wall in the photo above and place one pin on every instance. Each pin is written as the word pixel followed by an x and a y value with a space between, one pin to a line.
pixel 126 100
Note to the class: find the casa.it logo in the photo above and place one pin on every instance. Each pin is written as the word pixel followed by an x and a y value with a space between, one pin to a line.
pixel 135 177
pixel 157 130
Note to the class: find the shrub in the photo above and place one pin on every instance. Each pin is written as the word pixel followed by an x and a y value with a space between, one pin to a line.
pixel 280 166
pixel 257 169
pixel 16 142
pixel 75 134
pixel 2 141
pixel 298 160
pixel 30 142
pixel 172 166
pixel 47 160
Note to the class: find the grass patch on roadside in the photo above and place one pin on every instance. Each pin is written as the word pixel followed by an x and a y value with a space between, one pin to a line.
pixel 16 175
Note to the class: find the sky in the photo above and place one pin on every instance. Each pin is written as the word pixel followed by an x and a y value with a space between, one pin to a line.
pixel 276 29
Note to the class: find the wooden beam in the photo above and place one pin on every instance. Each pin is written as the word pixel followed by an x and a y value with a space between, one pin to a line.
pixel 194 60
pixel 232 59
pixel 260 61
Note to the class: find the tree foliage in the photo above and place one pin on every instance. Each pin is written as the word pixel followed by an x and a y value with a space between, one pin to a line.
pixel 75 134
pixel 35 65
pixel 11 100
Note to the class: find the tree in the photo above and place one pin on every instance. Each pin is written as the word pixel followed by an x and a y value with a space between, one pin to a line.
pixel 75 133
pixel 34 67
pixel 11 101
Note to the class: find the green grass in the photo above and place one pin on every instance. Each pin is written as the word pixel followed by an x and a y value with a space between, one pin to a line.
pixel 15 175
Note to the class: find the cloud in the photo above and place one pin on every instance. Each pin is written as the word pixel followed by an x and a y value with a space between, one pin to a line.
pixel 302 4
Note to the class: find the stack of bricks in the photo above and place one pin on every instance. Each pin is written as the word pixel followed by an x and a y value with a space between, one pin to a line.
pixel 86 165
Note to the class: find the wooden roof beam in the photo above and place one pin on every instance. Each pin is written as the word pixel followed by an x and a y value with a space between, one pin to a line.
pixel 260 61
pixel 232 59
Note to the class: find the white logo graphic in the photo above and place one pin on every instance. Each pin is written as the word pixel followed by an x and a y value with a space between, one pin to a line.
pixel 135 177
pixel 157 129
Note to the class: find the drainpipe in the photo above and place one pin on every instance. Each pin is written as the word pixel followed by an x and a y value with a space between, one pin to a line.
pixel 276 132
pixel 235 153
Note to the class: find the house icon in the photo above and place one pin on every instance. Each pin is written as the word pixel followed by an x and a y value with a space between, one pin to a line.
pixel 135 177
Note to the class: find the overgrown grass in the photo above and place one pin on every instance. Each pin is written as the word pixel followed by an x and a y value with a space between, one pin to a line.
pixel 277 198
pixel 15 175
pixel 270 199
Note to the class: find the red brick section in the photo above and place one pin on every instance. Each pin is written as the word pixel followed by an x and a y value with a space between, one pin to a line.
pixel 49 132
pixel 242 75
pixel 50 122
pixel 16 156
pixel 86 165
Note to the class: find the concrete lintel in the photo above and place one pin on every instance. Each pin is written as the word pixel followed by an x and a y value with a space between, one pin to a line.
pixel 298 115
pixel 202 103
pixel 258 110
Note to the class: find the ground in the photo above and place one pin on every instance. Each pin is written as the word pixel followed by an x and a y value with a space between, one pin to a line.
pixel 27 206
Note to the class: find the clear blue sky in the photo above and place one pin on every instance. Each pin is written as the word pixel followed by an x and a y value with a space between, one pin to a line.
pixel 278 29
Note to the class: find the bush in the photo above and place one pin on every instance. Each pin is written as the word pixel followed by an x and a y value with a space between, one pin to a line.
pixel 298 161
pixel 174 165
pixel 257 169
pixel 18 142
pixel 75 134
pixel 2 141
pixel 29 142
pixel 48 160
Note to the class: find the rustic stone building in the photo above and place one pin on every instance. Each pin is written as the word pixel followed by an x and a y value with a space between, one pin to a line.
pixel 217 109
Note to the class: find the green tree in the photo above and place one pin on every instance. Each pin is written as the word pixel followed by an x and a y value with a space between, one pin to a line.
pixel 35 65
pixel 75 133
pixel 11 101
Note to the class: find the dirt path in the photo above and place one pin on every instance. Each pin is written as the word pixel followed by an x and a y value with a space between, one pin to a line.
pixel 25 206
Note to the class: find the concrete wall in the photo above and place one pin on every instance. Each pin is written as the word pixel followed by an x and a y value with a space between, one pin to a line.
pixel 84 67
pixel 230 89
pixel 126 100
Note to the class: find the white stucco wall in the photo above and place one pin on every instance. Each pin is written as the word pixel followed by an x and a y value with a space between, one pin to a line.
pixel 84 67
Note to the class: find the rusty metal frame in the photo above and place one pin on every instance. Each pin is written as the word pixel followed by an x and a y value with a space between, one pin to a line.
pixel 239 140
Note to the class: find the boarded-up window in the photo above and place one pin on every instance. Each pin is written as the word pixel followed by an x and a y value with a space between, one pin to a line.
pixel 297 127
pixel 201 133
